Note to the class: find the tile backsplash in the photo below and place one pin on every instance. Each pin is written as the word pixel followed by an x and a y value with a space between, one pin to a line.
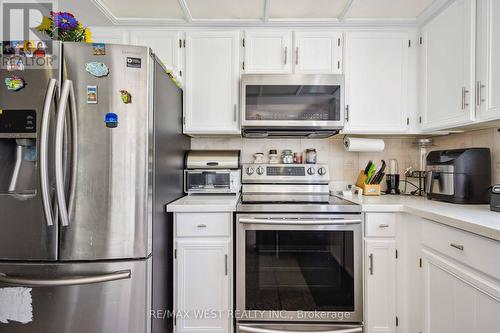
pixel 344 166
pixel 486 138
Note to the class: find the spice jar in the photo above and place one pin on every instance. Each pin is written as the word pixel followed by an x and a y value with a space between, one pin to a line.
pixel 287 156
pixel 311 156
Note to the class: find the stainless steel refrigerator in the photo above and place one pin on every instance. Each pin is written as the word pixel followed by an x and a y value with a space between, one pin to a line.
pixel 91 150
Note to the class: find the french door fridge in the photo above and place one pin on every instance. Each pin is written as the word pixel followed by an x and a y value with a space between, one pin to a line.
pixel 91 149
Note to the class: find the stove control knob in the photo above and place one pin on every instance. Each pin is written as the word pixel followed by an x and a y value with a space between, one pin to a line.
pixel 311 171
pixel 322 171
pixel 260 170
pixel 250 171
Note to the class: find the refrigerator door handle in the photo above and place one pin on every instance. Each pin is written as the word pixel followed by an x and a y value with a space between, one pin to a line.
pixel 67 95
pixel 74 150
pixel 44 141
pixel 64 281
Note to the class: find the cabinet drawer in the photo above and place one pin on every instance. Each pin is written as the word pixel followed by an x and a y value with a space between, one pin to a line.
pixel 475 251
pixel 203 224
pixel 380 225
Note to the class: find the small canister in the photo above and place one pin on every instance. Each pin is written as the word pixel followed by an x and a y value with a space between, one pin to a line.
pixel 311 156
pixel 287 156
pixel 273 157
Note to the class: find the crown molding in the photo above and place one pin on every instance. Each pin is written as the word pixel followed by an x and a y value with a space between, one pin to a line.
pixel 432 11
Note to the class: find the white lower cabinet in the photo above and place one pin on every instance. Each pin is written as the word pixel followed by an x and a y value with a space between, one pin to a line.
pixel 380 273
pixel 203 272
pixel 457 299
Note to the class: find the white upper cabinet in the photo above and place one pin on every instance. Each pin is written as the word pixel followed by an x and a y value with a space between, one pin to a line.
pixel 376 82
pixel 167 45
pixel 109 35
pixel 318 52
pixel 211 83
pixel 488 60
pixel 447 77
pixel 268 51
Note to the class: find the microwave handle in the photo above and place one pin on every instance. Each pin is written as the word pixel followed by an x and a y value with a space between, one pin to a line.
pixel 332 221
pixel 249 329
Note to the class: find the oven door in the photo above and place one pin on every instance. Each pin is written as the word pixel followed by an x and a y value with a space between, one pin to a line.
pixel 292 101
pixel 293 267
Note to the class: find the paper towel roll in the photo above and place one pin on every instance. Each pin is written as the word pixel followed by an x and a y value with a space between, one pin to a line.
pixel 363 145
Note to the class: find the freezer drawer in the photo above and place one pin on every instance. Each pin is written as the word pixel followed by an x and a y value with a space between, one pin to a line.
pixel 113 299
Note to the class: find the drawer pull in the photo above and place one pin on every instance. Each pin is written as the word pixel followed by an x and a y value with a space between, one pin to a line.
pixel 201 225
pixel 370 269
pixel 458 247
pixel 383 226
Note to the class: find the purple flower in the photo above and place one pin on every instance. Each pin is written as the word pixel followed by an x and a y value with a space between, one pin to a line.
pixel 64 21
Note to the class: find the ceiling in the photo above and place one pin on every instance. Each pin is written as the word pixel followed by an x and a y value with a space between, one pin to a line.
pixel 257 11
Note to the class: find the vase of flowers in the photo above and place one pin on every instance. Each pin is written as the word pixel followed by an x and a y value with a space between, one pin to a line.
pixel 65 27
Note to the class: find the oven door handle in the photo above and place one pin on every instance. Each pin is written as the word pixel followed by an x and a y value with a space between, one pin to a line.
pixel 333 221
pixel 248 329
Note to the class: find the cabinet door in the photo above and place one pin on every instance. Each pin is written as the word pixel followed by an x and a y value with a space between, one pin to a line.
pixel 203 284
pixel 211 83
pixel 380 282
pixel 488 60
pixel 448 67
pixel 268 52
pixel 109 35
pixel 456 300
pixel 318 52
pixel 376 74
pixel 165 44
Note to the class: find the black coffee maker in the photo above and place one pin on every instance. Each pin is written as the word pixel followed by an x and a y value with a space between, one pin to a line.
pixel 392 178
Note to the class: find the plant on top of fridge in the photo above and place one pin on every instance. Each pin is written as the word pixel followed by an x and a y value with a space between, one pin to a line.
pixel 65 27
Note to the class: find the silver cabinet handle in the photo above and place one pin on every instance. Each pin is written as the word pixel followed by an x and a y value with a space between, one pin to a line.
pixel 383 226
pixel 235 116
pixel 370 269
pixel 479 92
pixel 225 265
pixel 332 221
pixel 201 225
pixel 250 329
pixel 64 281
pixel 457 246
pixel 297 55
pixel 67 95
pixel 286 54
pixel 464 98
pixel 44 141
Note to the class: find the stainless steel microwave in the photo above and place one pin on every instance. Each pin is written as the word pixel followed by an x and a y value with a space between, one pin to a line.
pixel 292 105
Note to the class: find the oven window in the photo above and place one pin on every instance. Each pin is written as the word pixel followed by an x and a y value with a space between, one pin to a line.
pixel 207 180
pixel 299 270
pixel 293 103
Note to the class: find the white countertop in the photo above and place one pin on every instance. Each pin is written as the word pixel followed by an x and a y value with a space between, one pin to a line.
pixel 205 203
pixel 478 219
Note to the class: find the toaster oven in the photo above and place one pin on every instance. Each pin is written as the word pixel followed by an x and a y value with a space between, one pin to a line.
pixel 212 181
pixel 212 172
